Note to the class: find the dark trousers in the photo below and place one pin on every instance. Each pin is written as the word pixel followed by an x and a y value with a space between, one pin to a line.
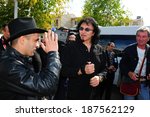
pixel 108 84
pixel 98 91
pixel 61 93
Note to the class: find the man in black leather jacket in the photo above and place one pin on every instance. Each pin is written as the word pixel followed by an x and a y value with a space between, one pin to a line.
pixel 17 77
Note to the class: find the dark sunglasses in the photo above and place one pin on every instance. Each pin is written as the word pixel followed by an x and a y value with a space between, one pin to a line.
pixel 86 29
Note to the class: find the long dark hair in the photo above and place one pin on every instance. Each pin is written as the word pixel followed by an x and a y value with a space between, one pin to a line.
pixel 90 20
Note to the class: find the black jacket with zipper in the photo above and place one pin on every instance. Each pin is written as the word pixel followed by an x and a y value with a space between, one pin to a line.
pixel 19 81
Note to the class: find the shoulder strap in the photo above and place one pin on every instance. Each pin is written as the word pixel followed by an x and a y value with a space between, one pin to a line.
pixel 139 74
pixel 146 50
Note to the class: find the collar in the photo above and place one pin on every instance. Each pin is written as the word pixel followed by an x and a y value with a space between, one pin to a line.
pixel 16 54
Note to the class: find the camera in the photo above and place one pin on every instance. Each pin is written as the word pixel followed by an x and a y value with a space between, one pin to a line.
pixel 62 36
pixel 41 37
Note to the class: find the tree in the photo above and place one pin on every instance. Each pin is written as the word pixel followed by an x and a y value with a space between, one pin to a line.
pixel 106 12
pixel 45 12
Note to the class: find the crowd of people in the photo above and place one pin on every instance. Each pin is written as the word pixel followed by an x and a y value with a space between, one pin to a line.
pixel 77 69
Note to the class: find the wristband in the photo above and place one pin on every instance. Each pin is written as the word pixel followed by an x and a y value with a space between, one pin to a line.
pixel 100 79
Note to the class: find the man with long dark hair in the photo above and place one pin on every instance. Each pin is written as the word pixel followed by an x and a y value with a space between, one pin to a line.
pixel 84 62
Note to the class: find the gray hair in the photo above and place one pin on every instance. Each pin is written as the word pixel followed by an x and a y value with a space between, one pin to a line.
pixel 144 29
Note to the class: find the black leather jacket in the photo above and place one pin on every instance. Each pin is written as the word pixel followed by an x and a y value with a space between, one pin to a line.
pixel 19 81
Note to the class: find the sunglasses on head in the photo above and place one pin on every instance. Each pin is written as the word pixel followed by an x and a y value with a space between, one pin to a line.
pixel 86 29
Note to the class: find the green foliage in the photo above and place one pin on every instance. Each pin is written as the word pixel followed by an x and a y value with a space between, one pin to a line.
pixel 106 12
pixel 45 12
pixel 6 11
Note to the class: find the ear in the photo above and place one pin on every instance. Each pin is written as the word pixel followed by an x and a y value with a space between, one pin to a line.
pixel 21 40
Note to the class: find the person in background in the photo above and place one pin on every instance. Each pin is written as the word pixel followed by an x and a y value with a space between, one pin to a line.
pixel 71 37
pixel 131 63
pixel 61 93
pixel 4 37
pixel 17 78
pixel 64 29
pixel 112 65
pixel 83 62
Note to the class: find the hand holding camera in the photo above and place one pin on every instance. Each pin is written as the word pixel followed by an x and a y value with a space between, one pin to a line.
pixel 50 41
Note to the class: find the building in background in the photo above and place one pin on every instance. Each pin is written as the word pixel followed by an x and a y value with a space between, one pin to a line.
pixel 137 22
pixel 70 20
pixel 67 20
